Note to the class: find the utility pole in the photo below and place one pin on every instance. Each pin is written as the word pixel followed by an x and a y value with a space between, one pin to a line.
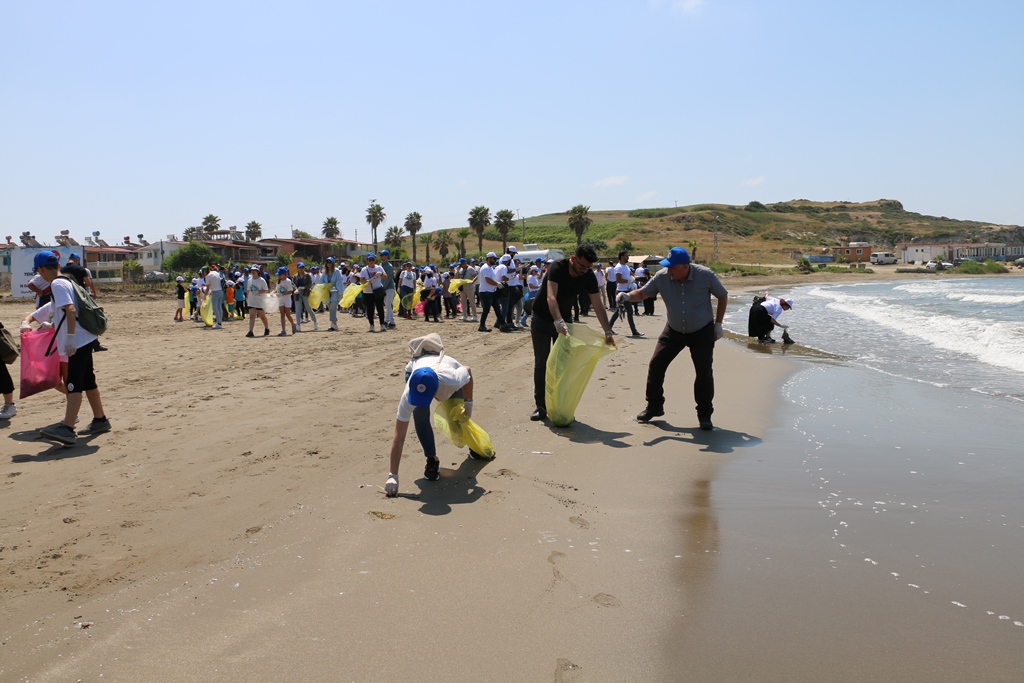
pixel 714 256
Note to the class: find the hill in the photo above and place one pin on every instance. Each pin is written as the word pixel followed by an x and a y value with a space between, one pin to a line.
pixel 755 233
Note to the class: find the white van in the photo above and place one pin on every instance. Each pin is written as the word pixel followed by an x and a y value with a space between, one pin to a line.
pixel 543 254
pixel 883 258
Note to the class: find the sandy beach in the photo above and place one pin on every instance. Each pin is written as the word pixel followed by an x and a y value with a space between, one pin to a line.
pixel 232 527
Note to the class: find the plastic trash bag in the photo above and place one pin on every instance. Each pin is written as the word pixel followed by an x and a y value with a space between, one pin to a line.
pixel 570 365
pixel 319 295
pixel 450 418
pixel 351 292
pixel 456 285
pixel 39 372
pixel 396 303
pixel 206 310
pixel 188 305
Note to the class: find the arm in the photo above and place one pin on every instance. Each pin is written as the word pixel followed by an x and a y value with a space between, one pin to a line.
pixel 397 442
pixel 72 324
pixel 720 316
pixel 556 314
pixel 35 289
pixel 90 286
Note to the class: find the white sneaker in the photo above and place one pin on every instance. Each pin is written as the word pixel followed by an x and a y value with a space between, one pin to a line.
pixel 316 327
pixel 217 326
pixel 8 411
pixel 473 319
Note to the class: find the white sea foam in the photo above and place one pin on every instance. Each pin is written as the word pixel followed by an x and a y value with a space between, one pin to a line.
pixel 993 299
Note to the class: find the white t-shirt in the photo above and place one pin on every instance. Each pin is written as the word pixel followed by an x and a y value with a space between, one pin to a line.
pixel 64 294
pixel 374 275
pixel 513 275
pixel 44 314
pixel 213 281
pixel 257 287
pixel 487 271
pixel 533 282
pixel 501 273
pixel 599 274
pixel 623 270
pixel 408 279
pixel 451 376
pixel 284 290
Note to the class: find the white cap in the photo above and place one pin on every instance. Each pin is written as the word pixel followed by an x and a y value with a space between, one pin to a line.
pixel 491 254
pixel 512 249
pixel 505 259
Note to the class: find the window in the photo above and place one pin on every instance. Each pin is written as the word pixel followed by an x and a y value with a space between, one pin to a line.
pixel 859 252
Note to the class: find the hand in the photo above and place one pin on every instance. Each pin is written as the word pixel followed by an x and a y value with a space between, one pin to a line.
pixel 785 327
pixel 46 326
pixel 391 486
pixel 467 406
pixel 561 327
pixel 719 332
pixel 621 298
pixel 69 347
pixel 25 326
pixel 609 338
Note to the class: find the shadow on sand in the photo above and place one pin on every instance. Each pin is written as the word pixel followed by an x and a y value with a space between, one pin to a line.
pixel 455 487
pixel 55 451
pixel 716 441
pixel 581 432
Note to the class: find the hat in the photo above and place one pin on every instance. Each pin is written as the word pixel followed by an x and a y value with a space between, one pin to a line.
pixel 538 260
pixel 462 260
pixel 371 255
pixel 789 302
pixel 472 260
pixel 677 256
pixel 407 263
pixel 330 259
pixel 314 268
pixel 422 387
pixel 179 279
pixel 512 249
pixel 45 258
pixel 491 254
pixel 385 252
pixel 75 256
pixel 534 269
pixel 505 258
pixel 283 270
pixel 252 268
pixel 300 264
pixel 230 283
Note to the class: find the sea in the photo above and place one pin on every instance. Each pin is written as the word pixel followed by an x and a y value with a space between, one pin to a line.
pixel 886 507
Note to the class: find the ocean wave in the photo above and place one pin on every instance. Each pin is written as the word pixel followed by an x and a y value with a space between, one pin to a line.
pixel 980 298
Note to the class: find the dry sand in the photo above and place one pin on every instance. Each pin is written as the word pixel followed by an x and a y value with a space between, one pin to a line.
pixel 231 527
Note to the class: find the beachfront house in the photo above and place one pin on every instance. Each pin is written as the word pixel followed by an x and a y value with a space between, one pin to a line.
pixel 151 255
pixel 853 252
pixel 315 249
pixel 922 252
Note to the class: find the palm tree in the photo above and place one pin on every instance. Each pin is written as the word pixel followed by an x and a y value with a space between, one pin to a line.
pixel 394 237
pixel 504 221
pixel 425 241
pixel 442 241
pixel 479 219
pixel 579 221
pixel 462 234
pixel 375 216
pixel 414 223
pixel 331 230
pixel 190 233
pixel 253 231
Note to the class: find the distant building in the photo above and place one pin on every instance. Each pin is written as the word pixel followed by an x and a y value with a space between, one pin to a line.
pixel 853 252
pixel 912 252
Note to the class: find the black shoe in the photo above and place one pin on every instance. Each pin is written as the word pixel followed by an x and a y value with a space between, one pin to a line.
pixel 483 329
pixel 432 471
pixel 99 347
pixel 539 415
pixel 706 425
pixel 637 335
pixel 249 334
pixel 266 331
pixel 649 414
pixel 97 426
pixel 391 326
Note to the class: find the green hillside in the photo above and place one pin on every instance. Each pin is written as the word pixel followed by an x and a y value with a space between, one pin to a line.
pixel 755 233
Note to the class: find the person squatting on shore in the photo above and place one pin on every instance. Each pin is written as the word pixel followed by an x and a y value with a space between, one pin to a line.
pixel 431 375
pixel 686 290
pixel 561 287
pixel 764 317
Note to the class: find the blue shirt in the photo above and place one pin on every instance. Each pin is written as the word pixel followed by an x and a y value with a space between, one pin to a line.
pixel 688 303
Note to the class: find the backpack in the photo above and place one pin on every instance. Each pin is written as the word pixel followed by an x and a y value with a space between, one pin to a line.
pixel 8 349
pixel 90 316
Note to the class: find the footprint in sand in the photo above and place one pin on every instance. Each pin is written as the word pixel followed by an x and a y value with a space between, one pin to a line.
pixel 555 558
pixel 605 600
pixel 580 522
pixel 566 671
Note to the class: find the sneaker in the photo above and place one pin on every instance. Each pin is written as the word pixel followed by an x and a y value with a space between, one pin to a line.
pixel 99 425
pixel 8 411
pixel 316 327
pixel 473 319
pixel 464 319
pixel 705 424
pixel 60 432
pixel 637 335
pixel 649 414
pixel 217 326
pixel 282 333
pixel 391 326
pixel 483 329
pixel 766 340
pixel 372 329
pixel 266 331
pixel 432 472
pixel 297 328
pixel 249 334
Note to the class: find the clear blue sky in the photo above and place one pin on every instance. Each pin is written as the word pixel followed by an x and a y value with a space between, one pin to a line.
pixel 141 117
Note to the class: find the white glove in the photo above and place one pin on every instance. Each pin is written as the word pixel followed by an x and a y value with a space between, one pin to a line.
pixel 46 326
pixel 785 327
pixel 468 407
pixel 69 347
pixel 561 327
pixel 25 326
pixel 391 486
pixel 719 332
pixel 621 298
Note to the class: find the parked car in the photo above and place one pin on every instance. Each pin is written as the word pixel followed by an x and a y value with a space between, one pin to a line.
pixel 938 265
pixel 155 276
pixel 883 258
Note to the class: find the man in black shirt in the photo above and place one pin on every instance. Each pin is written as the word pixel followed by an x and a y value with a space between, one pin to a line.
pixel 564 282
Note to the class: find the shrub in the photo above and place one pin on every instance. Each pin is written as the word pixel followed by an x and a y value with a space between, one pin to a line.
pixel 755 206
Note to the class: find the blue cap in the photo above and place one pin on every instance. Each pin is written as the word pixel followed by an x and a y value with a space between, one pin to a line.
pixel 538 260
pixel 330 259
pixel 422 387
pixel 75 256
pixel 315 268
pixel 371 255
pixel 282 270
pixel 45 258
pixel 472 260
pixel 385 252
pixel 677 256
pixel 300 264
pixel 462 260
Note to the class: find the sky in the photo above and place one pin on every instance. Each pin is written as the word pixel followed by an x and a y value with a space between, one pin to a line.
pixel 143 117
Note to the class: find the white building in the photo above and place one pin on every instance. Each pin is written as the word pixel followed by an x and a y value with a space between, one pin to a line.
pixel 151 256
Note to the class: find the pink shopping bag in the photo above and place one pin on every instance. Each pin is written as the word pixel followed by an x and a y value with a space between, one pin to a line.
pixel 39 372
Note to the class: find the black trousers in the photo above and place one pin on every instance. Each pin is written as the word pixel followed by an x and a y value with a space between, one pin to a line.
pixel 543 334
pixel 6 381
pixel 702 348
pixel 759 322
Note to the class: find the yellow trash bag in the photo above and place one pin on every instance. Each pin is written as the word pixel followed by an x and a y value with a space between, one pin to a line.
pixel 348 297
pixel 206 310
pixel 396 303
pixel 450 418
pixel 188 304
pixel 456 284
pixel 573 359
pixel 319 295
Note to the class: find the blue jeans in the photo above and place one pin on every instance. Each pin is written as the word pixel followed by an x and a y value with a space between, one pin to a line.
pixel 425 428
pixel 218 305
pixel 486 303
pixel 332 306
pixel 629 317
